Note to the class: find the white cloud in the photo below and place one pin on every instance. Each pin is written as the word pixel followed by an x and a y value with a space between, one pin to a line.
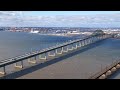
pixel 16 18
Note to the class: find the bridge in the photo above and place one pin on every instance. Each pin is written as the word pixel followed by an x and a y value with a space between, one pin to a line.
pixel 54 51
pixel 106 72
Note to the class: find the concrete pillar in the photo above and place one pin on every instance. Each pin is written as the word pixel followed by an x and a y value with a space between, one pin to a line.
pixel 113 69
pixel 44 58
pixel 97 38
pixel 85 42
pixel 62 49
pixel 65 50
pixel 3 72
pixel 59 52
pixel 32 61
pixel 94 39
pixel 75 46
pixel 19 66
pixel 82 43
pixel 78 44
pixel 118 66
pixel 102 76
pixel 108 73
pixel 70 48
pixel 51 54
pixel 90 40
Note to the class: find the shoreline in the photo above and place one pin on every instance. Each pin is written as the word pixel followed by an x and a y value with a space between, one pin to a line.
pixel 64 35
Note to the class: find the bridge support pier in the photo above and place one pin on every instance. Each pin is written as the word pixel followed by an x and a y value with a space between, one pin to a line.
pixel 83 43
pixel 75 46
pixel 3 72
pixel 32 61
pixel 19 66
pixel 118 66
pixel 52 55
pixel 65 50
pixel 70 48
pixel 79 45
pixel 92 40
pixel 43 58
pixel 102 76
pixel 59 52
pixel 87 41
pixel 95 39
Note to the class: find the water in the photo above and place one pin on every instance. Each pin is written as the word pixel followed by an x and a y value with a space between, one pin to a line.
pixel 83 63
pixel 18 43
pixel 79 65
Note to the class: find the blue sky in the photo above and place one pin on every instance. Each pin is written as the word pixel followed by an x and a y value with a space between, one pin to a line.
pixel 47 13
pixel 60 18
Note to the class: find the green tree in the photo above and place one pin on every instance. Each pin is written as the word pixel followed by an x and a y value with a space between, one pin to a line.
pixel 98 32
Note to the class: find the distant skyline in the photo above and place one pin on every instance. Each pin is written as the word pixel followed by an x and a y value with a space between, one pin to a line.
pixel 60 18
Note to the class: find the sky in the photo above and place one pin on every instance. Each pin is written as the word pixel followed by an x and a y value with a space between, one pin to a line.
pixel 60 18
pixel 47 13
